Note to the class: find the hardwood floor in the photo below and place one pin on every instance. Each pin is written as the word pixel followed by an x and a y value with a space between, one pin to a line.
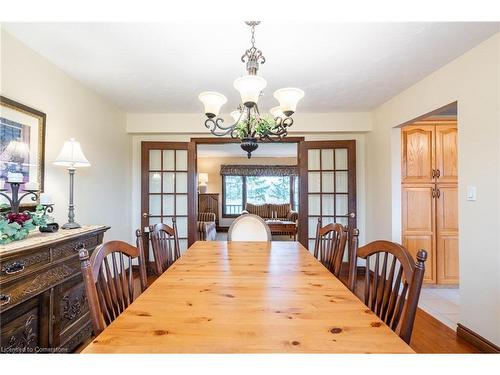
pixel 429 336
pixel 432 336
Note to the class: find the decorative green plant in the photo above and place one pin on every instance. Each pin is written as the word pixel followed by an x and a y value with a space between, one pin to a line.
pixel 16 226
pixel 260 126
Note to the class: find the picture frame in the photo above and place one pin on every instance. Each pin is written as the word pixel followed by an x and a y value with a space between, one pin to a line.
pixel 22 145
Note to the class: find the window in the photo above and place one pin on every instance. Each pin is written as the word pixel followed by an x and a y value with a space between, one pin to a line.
pixel 238 190
pixel 232 195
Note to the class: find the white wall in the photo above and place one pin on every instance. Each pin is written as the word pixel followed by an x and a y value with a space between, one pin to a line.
pixel 473 80
pixel 102 192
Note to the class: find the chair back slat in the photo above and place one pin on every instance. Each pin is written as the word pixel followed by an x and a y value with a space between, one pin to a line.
pixel 109 290
pixel 329 246
pixel 165 243
pixel 392 282
pixel 388 289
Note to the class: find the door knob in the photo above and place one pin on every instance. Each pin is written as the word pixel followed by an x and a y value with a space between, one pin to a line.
pixel 352 215
pixel 145 215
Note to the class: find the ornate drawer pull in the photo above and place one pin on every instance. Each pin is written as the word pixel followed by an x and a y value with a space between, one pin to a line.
pixel 4 299
pixel 79 245
pixel 14 268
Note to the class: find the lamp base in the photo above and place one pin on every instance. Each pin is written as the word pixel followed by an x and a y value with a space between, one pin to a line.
pixel 202 189
pixel 71 226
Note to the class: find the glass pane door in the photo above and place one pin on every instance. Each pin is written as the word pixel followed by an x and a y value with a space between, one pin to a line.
pixel 165 186
pixel 328 175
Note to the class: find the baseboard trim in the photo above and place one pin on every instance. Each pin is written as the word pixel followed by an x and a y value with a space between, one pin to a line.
pixel 477 340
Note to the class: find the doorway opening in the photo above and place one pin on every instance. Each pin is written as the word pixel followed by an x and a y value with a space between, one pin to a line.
pixel 429 207
pixel 228 184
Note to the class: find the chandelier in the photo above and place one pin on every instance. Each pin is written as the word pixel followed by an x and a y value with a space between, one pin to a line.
pixel 250 126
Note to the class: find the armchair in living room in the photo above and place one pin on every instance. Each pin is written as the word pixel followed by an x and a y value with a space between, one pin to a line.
pixel 206 226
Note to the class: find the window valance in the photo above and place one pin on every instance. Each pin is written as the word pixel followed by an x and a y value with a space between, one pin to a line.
pixel 259 170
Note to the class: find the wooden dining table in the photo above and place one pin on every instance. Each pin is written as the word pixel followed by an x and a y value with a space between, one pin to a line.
pixel 247 297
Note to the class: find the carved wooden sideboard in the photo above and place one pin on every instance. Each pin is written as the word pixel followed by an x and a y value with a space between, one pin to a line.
pixel 43 306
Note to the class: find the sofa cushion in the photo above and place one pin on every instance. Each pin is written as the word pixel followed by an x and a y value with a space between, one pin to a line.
pixel 261 210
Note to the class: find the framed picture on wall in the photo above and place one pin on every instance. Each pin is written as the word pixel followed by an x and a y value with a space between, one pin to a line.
pixel 22 144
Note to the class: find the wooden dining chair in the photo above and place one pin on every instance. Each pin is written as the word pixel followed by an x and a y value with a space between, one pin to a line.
pixel 249 227
pixel 165 244
pixel 329 246
pixel 109 280
pixel 392 282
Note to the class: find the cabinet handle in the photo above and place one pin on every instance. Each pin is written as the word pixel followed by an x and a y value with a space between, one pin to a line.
pixel 4 299
pixel 14 267
pixel 438 173
pixel 433 193
pixel 438 193
pixel 433 173
pixel 79 246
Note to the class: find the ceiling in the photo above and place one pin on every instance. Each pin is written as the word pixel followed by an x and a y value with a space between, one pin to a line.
pixel 265 150
pixel 162 67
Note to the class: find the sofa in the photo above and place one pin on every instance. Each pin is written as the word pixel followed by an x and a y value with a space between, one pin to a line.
pixel 272 211
pixel 207 230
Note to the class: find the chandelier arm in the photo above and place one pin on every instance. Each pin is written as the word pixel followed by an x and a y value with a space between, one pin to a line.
pixel 214 127
pixel 217 124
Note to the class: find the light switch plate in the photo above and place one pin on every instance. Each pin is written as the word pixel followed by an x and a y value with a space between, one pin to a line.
pixel 471 193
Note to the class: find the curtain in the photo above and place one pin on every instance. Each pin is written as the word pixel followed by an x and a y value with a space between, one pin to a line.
pixel 259 170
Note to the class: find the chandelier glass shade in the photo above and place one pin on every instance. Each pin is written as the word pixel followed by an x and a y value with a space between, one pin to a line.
pixel 213 101
pixel 249 125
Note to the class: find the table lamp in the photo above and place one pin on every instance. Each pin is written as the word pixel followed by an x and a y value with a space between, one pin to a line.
pixel 71 156
pixel 202 182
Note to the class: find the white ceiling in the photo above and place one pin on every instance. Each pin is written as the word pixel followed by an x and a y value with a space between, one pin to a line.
pixel 162 67
pixel 265 150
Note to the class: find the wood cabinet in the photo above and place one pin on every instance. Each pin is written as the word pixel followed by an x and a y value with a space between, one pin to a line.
pixel 419 229
pixel 430 197
pixel 43 305
pixel 446 153
pixel 418 154
pixel 447 233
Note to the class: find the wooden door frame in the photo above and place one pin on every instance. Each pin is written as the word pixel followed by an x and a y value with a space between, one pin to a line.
pixel 193 168
pixel 350 145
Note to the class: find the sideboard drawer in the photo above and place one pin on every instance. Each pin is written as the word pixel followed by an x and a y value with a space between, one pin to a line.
pixel 72 247
pixel 23 289
pixel 18 266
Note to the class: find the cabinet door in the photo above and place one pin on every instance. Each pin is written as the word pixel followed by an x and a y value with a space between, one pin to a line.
pixel 417 154
pixel 446 153
pixel 418 207
pixel 71 312
pixel 447 234
pixel 24 328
